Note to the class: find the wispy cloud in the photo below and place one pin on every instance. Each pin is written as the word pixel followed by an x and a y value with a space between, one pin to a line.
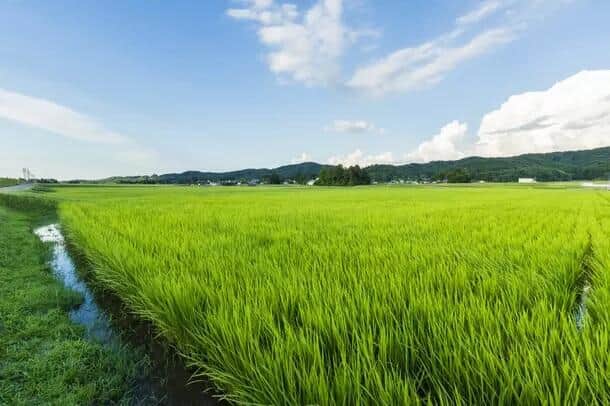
pixel 304 157
pixel 358 157
pixel 484 10
pixel 481 30
pixel 353 127
pixel 54 118
pixel 60 120
pixel 424 65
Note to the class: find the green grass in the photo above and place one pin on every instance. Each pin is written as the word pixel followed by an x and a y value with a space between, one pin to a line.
pixel 43 356
pixel 399 295
pixel 8 182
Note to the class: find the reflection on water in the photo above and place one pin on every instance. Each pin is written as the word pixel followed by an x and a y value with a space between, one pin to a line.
pixel 581 310
pixel 88 314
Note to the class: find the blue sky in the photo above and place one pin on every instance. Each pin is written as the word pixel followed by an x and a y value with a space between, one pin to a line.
pixel 93 89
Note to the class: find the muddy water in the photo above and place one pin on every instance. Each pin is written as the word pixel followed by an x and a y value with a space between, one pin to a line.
pixel 89 315
pixel 169 383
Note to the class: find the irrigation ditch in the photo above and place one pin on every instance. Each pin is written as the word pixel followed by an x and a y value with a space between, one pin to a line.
pixel 583 284
pixel 107 320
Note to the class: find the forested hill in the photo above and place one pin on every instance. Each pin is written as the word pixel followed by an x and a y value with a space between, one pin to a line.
pixel 572 165
pixel 303 171
pixel 556 166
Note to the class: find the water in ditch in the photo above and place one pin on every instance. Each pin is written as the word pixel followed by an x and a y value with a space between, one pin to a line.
pixel 170 383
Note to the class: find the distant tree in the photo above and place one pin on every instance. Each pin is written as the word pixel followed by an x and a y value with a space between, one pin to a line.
pixel 275 179
pixel 458 176
pixel 340 176
pixel 301 179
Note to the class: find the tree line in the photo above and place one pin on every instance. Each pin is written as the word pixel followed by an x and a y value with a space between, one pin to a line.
pixel 341 176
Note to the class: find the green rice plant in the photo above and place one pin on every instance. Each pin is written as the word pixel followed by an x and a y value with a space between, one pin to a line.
pixel 372 295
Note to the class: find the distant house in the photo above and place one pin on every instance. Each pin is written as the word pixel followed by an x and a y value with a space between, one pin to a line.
pixel 527 180
pixel 596 185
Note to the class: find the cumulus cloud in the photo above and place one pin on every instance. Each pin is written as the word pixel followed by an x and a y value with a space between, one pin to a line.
pixel 353 127
pixel 490 25
pixel 304 157
pixel 444 146
pixel 359 158
pixel 573 114
pixel 304 46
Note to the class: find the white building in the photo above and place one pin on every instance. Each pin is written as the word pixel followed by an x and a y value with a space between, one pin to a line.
pixel 596 185
pixel 527 180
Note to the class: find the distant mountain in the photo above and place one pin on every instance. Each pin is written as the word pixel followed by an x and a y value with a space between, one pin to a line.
pixel 555 166
pixel 303 171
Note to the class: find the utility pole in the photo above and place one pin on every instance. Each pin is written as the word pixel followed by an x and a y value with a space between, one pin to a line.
pixel 27 175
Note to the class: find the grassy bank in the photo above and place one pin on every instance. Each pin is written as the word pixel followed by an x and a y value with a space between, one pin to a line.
pixel 43 356
pixel 8 182
pixel 365 295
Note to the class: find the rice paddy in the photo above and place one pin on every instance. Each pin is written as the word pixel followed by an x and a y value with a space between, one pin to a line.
pixel 403 295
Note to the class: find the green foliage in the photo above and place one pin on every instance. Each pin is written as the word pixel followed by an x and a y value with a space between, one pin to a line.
pixel 274 179
pixel 340 176
pixel 440 295
pixel 458 176
pixel 28 203
pixel 43 357
pixel 8 182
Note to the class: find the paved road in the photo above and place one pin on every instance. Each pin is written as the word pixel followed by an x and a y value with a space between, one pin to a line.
pixel 16 188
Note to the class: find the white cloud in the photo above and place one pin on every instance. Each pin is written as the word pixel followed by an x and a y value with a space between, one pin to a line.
pixel 54 118
pixel 303 46
pixel 413 68
pixel 304 157
pixel 307 46
pixel 485 9
pixel 444 146
pixel 573 114
pixel 265 12
pixel 60 120
pixel 353 127
pixel 359 158
pixel 428 63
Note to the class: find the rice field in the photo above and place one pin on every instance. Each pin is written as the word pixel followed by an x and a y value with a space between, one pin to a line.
pixel 384 295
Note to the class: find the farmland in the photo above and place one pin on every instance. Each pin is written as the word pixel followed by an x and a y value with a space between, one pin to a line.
pixel 390 295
